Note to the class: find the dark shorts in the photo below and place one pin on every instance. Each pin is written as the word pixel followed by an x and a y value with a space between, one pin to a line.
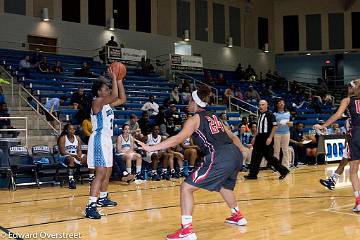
pixel 219 169
pixel 354 144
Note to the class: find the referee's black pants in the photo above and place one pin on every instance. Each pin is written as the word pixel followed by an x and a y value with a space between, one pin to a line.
pixel 260 150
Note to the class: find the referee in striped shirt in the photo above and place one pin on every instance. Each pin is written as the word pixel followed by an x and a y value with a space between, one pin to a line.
pixel 263 145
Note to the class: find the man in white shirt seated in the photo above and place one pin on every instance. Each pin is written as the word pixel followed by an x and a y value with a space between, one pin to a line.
pixel 151 106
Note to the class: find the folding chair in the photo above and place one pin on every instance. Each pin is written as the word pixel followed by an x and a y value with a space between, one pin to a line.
pixel 46 165
pixel 6 169
pixel 22 166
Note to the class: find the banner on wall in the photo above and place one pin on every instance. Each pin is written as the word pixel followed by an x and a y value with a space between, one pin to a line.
pixel 334 148
pixel 125 54
pixel 186 63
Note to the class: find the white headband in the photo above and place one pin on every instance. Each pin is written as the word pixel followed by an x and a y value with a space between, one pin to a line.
pixel 352 84
pixel 197 100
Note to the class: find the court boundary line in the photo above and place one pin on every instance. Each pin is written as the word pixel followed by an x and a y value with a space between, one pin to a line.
pixel 165 207
pixel 133 190
pixel 5 230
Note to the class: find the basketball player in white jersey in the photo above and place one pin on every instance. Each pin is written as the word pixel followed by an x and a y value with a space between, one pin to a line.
pixel 70 152
pixel 100 148
pixel 125 148
pixel 154 157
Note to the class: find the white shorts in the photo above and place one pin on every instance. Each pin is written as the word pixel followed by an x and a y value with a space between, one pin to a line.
pixel 100 150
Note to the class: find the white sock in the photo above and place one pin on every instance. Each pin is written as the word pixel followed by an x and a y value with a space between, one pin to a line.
pixel 138 169
pixel 357 194
pixel 186 219
pixel 181 169
pixel 91 175
pixel 172 170
pixel 92 200
pixel 235 210
pixel 71 177
pixel 128 170
pixel 103 194
pixel 164 170
pixel 335 177
pixel 153 171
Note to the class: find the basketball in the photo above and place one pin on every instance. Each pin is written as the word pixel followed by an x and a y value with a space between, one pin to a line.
pixel 119 69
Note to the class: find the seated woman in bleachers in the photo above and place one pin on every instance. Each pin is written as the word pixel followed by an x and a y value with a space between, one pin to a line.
pixel 86 128
pixel 44 66
pixel 70 152
pixel 125 149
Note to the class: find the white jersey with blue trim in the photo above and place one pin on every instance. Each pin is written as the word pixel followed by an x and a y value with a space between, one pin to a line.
pixel 102 122
pixel 126 144
pixel 71 147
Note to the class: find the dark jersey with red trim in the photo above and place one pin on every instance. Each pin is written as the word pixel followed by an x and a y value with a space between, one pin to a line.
pixel 211 133
pixel 353 110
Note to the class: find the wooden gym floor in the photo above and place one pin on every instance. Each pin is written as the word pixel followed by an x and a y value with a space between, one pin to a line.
pixel 295 208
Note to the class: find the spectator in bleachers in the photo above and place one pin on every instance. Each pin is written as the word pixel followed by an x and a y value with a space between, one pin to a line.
pixel 86 128
pixel 154 157
pixel 70 152
pixel 268 92
pixel 252 95
pixel 84 71
pixel 239 72
pixel 160 120
pixel 149 68
pixel 208 78
pixel 229 92
pixel 112 42
pixel 25 66
pixel 335 129
pixel 6 123
pixel 282 133
pixel 151 106
pixel 186 95
pixel 171 129
pixel 2 96
pixel 140 66
pixel 223 118
pixel 36 58
pixel 175 96
pixel 244 122
pixel 44 66
pixel 52 106
pixel 172 112
pixel 185 84
pixel 221 80
pixel 322 87
pixel 144 123
pixel 133 123
pixel 57 68
pixel 249 72
pixel 252 119
pixel 125 146
pixel 79 100
pixel 238 94
pixel 296 141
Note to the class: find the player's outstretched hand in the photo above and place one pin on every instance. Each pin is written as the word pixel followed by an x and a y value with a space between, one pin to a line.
pixel 111 73
pixel 143 145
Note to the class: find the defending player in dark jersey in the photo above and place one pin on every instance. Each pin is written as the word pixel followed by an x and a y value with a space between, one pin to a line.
pixel 221 164
pixel 352 105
